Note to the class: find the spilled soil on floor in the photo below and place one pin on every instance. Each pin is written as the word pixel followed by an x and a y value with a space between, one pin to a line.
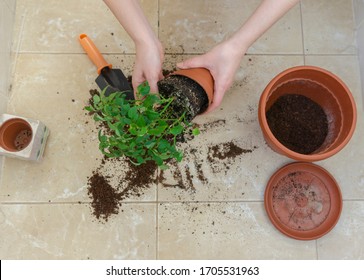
pixel 108 187
pixel 116 179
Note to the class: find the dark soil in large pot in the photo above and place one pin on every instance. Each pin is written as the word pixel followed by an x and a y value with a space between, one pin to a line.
pixel 298 123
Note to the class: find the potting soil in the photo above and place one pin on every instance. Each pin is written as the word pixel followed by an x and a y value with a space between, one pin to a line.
pixel 298 123
pixel 190 97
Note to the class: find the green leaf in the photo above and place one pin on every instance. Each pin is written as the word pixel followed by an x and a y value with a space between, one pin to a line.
pixel 126 120
pixel 150 144
pixel 97 117
pixel 110 98
pixel 89 108
pixel 133 130
pixel 102 138
pixel 178 156
pixel 157 131
pixel 116 152
pixel 151 115
pixel 124 109
pixel 133 113
pixel 163 167
pixel 150 100
pixel 157 159
pixel 142 131
pixel 119 101
pixel 143 89
pixel 140 160
pixel 163 145
pixel 195 131
pixel 96 99
pixel 118 132
pixel 176 130
pixel 123 147
pixel 162 123
pixel 140 121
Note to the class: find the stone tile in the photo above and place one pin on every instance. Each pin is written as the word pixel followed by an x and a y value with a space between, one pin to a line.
pixel 224 231
pixel 328 27
pixel 54 89
pixel 46 29
pixel 11 4
pixel 346 240
pixel 3 102
pixel 360 42
pixel 69 231
pixel 358 12
pixel 196 26
pixel 201 176
pixel 6 29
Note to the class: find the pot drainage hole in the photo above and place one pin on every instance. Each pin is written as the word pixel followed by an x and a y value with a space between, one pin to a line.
pixel 23 139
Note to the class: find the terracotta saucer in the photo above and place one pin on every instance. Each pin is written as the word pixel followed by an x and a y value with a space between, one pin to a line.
pixel 303 201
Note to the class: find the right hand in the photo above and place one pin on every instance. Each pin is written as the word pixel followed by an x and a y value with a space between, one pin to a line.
pixel 148 65
pixel 223 62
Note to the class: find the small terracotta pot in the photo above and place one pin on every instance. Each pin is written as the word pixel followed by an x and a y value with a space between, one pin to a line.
pixel 324 88
pixel 202 76
pixel 15 135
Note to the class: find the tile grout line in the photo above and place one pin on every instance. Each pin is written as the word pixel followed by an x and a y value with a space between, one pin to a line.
pixel 19 44
pixel 172 54
pixel 147 202
pixel 303 36
pixel 157 190
pixel 157 231
pixel 157 219
pixel 357 22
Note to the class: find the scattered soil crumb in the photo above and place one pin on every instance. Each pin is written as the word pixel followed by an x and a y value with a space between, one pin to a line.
pixel 214 124
pixel 221 156
pixel 226 150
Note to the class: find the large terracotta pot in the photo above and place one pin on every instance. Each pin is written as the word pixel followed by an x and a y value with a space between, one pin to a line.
pixel 15 135
pixel 324 88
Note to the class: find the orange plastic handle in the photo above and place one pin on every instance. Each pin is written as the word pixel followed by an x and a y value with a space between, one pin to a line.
pixel 93 53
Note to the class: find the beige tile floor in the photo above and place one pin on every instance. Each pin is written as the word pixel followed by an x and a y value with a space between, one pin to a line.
pixel 45 211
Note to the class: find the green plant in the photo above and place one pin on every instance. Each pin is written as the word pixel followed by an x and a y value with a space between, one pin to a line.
pixel 142 130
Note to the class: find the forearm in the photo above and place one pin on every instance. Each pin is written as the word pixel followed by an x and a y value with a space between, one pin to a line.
pixel 131 16
pixel 149 50
pixel 267 13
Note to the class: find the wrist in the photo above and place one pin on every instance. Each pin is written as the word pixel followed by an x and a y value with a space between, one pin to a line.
pixel 236 46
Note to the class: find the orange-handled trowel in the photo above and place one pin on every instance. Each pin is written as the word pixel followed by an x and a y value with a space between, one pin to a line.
pixel 112 79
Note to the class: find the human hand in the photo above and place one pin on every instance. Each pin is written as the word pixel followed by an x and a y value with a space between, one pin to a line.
pixel 222 61
pixel 148 65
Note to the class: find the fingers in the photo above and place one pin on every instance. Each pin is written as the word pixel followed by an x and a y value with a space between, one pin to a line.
pixel 193 62
pixel 153 85
pixel 136 81
pixel 218 96
pixel 152 81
